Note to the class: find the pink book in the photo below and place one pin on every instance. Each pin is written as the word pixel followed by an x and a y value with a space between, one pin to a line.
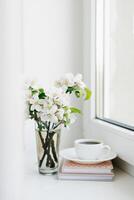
pixel 72 167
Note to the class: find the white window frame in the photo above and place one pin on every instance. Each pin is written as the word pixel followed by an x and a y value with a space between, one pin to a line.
pixel 120 139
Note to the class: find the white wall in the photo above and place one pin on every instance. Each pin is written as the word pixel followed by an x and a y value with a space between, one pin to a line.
pixel 52 47
pixel 11 157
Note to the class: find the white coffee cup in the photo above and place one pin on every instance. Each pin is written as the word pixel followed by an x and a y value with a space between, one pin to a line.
pixel 90 149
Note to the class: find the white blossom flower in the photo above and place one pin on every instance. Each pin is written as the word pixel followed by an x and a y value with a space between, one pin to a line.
pixel 69 80
pixel 34 99
pixel 31 83
pixel 36 107
pixel 45 104
pixel 53 119
pixel 62 100
pixel 43 117
pixel 54 107
pixel 41 102
pixel 53 110
pixel 68 111
pixel 81 85
pixel 78 81
pixel 54 92
pixel 59 83
pixel 60 114
pixel 59 97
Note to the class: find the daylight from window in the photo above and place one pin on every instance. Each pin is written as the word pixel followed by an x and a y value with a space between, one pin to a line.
pixel 115 61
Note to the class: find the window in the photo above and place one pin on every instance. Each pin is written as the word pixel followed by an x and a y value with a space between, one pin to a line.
pixel 109 72
pixel 115 62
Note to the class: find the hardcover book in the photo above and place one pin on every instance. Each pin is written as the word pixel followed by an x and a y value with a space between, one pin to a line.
pixel 72 167
pixel 74 171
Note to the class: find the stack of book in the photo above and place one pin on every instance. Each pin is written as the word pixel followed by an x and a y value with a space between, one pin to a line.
pixel 74 171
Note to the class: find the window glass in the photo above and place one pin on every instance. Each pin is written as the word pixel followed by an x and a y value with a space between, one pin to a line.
pixel 115 61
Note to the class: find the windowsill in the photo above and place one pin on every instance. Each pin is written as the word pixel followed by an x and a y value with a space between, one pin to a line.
pixel 39 187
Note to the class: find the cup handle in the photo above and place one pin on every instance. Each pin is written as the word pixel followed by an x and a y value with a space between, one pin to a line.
pixel 105 150
pixel 105 147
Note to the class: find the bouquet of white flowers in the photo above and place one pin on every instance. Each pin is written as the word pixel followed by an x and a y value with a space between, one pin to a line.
pixel 51 110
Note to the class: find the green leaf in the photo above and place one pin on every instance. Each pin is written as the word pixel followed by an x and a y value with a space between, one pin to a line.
pixel 65 108
pixel 75 110
pixel 34 92
pixel 78 93
pixel 42 94
pixel 88 93
pixel 41 90
pixel 70 90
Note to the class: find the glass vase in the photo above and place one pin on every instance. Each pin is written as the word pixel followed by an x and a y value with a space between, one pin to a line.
pixel 48 150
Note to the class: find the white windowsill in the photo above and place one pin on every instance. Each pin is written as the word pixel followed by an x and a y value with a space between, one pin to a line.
pixel 48 187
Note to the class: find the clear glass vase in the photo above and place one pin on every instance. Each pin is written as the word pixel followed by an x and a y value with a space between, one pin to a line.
pixel 48 150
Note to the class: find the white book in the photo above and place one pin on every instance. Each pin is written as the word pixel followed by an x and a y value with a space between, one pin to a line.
pixel 87 177
pixel 76 175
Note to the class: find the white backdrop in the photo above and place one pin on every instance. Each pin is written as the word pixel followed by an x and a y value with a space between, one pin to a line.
pixel 52 47
pixel 11 154
pixel 39 39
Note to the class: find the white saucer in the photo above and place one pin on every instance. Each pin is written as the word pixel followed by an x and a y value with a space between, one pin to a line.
pixel 70 154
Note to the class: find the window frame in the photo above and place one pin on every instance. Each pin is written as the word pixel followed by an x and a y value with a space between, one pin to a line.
pixel 120 139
